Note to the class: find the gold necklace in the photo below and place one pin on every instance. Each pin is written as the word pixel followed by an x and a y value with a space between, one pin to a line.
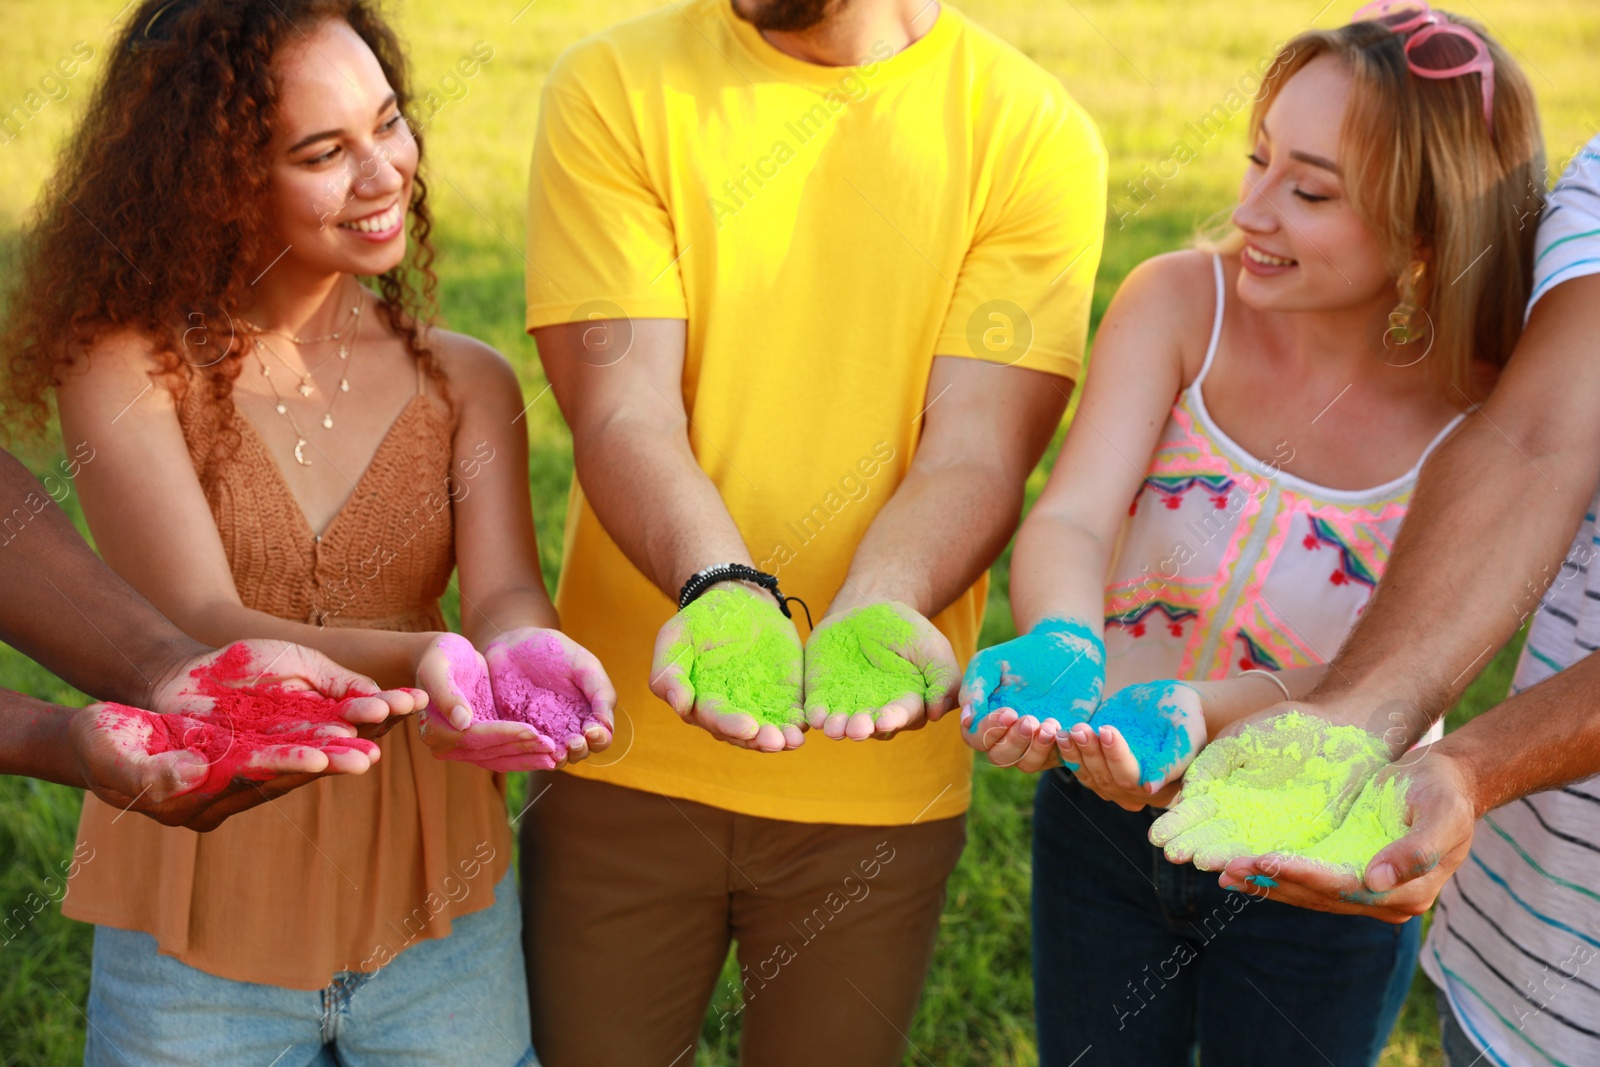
pixel 283 409
pixel 307 385
pixel 355 316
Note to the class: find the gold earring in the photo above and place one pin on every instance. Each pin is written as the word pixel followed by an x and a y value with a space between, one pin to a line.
pixel 1404 326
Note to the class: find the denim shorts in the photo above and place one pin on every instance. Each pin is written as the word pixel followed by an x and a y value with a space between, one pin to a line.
pixel 460 999
pixel 1138 961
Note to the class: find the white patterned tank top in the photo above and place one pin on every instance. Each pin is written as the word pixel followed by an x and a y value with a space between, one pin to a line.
pixel 1227 563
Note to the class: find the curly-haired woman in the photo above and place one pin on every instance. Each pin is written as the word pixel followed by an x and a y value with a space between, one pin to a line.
pixel 283 452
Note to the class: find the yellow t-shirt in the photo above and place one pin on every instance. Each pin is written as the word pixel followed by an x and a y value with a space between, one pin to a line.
pixel 825 231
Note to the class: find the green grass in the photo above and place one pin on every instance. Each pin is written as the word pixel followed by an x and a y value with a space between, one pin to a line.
pixel 1142 68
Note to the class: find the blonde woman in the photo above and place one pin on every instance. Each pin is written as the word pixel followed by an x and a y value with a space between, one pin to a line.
pixel 1249 439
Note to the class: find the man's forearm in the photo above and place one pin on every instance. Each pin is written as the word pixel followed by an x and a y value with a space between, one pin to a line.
pixel 34 741
pixel 68 610
pixel 938 533
pixel 1481 543
pixel 657 504
pixel 1545 737
pixel 1494 512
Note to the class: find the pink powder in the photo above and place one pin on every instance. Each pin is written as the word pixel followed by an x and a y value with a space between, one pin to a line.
pixel 244 720
pixel 468 676
pixel 533 684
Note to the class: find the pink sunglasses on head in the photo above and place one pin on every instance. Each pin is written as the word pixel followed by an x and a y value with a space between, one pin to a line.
pixel 1416 18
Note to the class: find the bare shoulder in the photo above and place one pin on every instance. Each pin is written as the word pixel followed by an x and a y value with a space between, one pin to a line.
pixel 1180 285
pixel 1172 298
pixel 477 372
pixel 118 361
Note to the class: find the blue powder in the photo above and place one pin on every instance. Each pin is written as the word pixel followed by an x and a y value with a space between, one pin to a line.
pixel 1262 880
pixel 1149 721
pixel 1056 671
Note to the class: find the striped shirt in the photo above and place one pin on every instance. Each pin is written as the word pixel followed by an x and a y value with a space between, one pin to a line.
pixel 1515 942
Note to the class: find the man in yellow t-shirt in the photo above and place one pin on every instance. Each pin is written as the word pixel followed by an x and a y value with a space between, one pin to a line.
pixel 811 282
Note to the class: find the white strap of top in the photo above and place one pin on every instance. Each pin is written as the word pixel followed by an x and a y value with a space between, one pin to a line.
pixel 1211 355
pixel 1438 439
pixel 1216 322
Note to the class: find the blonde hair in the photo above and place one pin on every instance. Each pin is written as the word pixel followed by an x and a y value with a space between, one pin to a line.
pixel 1432 182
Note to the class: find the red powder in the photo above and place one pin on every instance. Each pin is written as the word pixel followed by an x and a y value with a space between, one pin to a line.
pixel 533 684
pixel 244 720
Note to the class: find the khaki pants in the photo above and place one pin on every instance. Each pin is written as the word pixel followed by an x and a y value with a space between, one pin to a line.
pixel 630 900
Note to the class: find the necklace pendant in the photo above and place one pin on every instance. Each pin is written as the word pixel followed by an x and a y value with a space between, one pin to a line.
pixel 266 371
pixel 300 452
pixel 282 408
pixel 305 387
pixel 327 421
pixel 344 385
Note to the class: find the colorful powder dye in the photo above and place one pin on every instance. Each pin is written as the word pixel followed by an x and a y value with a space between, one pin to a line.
pixel 741 657
pixel 1377 819
pixel 468 675
pixel 527 682
pixel 532 683
pixel 859 663
pixel 1279 786
pixel 1057 670
pixel 1152 722
pixel 244 720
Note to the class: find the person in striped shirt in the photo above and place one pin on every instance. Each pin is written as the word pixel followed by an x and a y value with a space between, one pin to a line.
pixel 1505 812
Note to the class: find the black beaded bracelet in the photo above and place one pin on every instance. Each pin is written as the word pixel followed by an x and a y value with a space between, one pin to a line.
pixel 699 582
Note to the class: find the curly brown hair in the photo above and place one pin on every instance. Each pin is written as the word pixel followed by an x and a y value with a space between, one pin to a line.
pixel 153 219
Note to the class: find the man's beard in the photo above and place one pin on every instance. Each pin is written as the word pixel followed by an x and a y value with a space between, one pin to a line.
pixel 787 16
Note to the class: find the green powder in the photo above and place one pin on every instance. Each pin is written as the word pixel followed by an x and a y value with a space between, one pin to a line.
pixel 745 659
pixel 1289 789
pixel 1377 819
pixel 859 662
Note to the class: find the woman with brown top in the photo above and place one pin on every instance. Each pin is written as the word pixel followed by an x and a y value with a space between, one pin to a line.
pixel 283 452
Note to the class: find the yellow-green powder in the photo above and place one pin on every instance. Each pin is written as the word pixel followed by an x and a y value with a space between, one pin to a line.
pixel 858 663
pixel 1289 791
pixel 744 658
pixel 1377 819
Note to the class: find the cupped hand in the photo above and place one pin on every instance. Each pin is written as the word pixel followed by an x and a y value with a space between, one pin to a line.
pixel 460 722
pixel 112 744
pixel 1302 768
pixel 177 787
pixel 1019 696
pixel 546 679
pixel 1405 877
pixel 1020 741
pixel 282 664
pixel 731 664
pixel 1134 749
pixel 874 670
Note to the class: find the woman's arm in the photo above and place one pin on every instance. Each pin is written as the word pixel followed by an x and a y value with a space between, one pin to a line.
pixel 1063 551
pixel 505 610
pixel 497 553
pixel 152 524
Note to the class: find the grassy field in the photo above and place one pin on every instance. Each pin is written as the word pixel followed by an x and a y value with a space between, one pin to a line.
pixel 1143 69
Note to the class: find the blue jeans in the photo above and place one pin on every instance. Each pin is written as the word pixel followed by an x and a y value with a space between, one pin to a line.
pixel 460 999
pixel 1141 961
pixel 1459 1049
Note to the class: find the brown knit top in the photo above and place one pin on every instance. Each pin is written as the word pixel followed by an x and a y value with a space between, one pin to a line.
pixel 346 872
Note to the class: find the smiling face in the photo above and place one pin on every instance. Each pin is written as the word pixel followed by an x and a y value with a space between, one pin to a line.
pixel 343 158
pixel 1305 248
